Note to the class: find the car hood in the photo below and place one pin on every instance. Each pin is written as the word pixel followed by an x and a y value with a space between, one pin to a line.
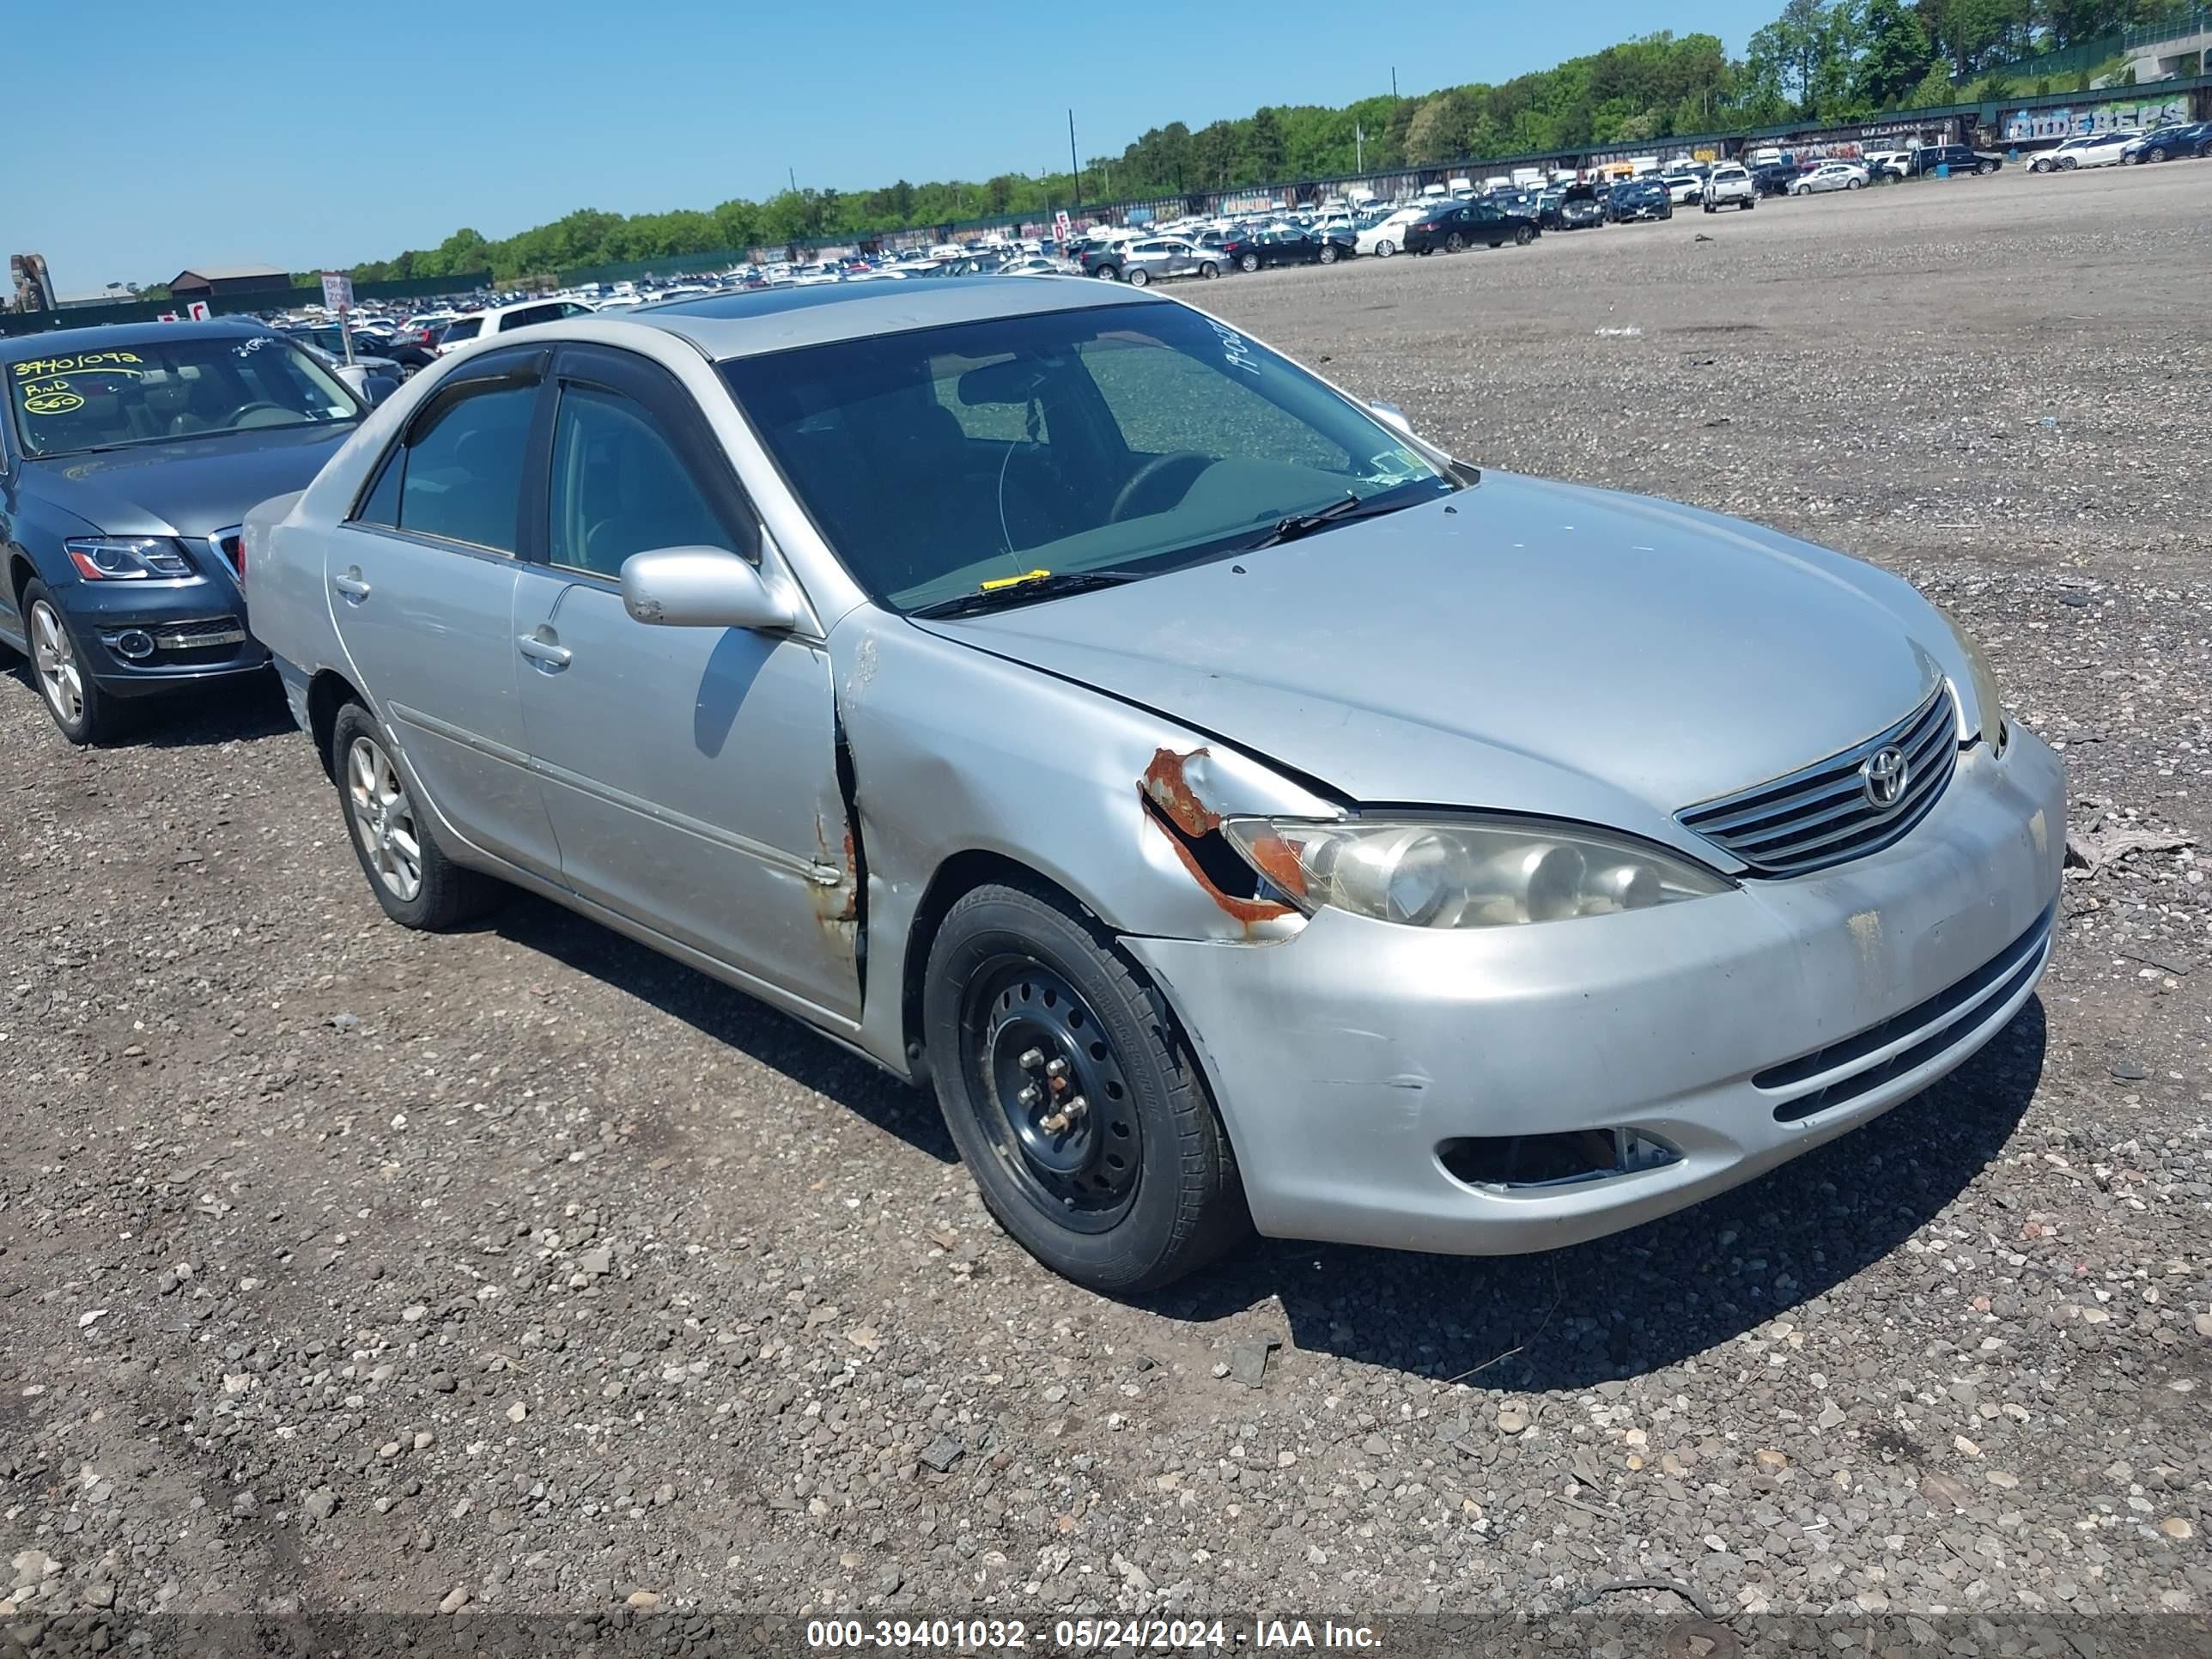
pixel 1522 646
pixel 188 488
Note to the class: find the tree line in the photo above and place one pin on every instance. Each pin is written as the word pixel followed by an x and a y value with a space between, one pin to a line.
pixel 1820 59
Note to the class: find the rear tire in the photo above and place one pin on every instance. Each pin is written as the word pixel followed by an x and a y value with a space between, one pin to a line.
pixel 1455 242
pixel 1749 203
pixel 1985 168
pixel 422 889
pixel 2158 155
pixel 1140 277
pixel 2066 164
pixel 1711 208
pixel 1853 184
pixel 1107 273
pixel 1383 249
pixel 1209 271
pixel 1248 263
pixel 1142 1186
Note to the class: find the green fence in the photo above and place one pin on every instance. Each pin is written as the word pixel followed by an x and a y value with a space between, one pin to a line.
pixel 2177 24
pixel 232 305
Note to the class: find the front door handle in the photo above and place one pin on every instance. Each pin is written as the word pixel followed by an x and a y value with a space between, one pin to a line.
pixel 542 651
pixel 351 585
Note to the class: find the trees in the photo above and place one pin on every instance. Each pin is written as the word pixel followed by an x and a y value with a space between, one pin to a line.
pixel 1824 59
pixel 1897 55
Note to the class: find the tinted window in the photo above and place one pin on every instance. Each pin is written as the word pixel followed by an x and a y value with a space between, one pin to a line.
pixel 462 476
pixel 619 487
pixel 382 504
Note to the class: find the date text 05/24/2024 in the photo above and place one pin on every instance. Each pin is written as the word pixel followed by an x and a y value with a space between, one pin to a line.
pixel 1086 1634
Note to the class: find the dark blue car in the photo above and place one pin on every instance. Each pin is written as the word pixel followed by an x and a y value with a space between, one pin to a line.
pixel 129 456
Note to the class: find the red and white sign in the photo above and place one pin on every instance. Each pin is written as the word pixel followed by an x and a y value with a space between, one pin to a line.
pixel 337 291
pixel 199 310
pixel 1063 227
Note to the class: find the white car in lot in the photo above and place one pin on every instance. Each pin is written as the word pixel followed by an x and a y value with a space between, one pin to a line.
pixel 1830 175
pixel 1683 188
pixel 2090 149
pixel 501 319
pixel 1383 238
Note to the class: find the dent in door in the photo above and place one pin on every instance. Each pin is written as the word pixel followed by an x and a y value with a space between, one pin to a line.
pixel 691 773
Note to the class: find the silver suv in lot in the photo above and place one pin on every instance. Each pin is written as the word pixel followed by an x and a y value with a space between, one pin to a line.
pixel 1067 701
pixel 1730 186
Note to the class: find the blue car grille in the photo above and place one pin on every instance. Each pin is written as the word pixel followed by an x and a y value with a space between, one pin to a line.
pixel 1824 815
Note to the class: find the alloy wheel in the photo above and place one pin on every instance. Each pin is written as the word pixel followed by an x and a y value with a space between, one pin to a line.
pixel 54 657
pixel 1050 1093
pixel 384 819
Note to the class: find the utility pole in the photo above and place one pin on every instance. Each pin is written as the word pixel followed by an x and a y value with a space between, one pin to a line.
pixel 1358 148
pixel 792 172
pixel 1394 83
pixel 1074 166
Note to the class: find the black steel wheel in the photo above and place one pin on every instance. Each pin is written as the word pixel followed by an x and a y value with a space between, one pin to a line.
pixel 1050 1093
pixel 1072 1096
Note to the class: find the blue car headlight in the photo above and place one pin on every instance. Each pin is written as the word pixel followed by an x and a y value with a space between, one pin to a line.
pixel 128 559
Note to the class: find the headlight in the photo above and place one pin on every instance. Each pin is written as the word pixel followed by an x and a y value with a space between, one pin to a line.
pixel 1464 874
pixel 1986 719
pixel 127 558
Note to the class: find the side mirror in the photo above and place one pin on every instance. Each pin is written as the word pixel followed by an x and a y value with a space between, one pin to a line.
pixel 1393 416
pixel 705 587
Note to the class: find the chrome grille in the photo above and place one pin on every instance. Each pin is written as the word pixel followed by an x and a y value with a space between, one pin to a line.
pixel 1824 815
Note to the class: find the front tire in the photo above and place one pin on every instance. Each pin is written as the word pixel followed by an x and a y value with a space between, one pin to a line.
pixel 1985 168
pixel 84 712
pixel 413 879
pixel 1523 236
pixel 1327 254
pixel 1027 1008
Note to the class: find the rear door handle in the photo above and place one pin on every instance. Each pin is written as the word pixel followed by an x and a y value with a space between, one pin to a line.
pixel 351 584
pixel 542 651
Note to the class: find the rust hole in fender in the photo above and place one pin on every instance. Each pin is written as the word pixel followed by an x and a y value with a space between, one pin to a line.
pixel 1193 830
pixel 1166 786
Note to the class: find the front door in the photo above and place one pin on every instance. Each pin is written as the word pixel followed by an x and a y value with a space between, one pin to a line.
pixel 691 772
pixel 422 588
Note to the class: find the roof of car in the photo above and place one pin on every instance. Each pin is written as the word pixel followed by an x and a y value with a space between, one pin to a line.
pixel 74 342
pixel 775 319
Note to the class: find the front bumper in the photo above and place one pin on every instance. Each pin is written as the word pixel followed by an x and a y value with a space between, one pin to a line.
pixel 1344 1058
pixel 137 639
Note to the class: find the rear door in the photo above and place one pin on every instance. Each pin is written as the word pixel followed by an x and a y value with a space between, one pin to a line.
pixel 422 582
pixel 691 773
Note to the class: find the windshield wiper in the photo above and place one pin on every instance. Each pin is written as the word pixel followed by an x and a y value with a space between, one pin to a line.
pixel 1023 590
pixel 1304 524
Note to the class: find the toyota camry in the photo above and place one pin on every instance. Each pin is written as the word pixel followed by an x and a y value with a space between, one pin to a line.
pixel 1239 811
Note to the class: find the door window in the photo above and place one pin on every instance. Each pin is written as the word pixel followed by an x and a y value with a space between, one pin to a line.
pixel 620 488
pixel 459 477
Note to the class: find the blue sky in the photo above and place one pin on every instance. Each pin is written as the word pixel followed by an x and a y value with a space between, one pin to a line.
pixel 251 130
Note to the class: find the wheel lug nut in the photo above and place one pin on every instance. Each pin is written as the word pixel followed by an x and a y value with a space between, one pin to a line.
pixel 1057 1066
pixel 1029 1095
pixel 1031 1058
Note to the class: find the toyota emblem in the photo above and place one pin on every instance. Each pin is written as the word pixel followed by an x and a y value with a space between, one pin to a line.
pixel 1884 777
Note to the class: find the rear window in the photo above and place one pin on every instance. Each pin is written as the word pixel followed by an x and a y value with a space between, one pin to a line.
pixel 467 328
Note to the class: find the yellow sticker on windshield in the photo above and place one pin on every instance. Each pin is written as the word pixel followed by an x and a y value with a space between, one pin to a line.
pixel 37 368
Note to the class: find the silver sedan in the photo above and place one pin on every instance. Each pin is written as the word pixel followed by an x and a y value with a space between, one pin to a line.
pixel 1238 810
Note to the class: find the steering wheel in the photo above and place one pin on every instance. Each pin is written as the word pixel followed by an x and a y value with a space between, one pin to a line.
pixel 245 409
pixel 1151 470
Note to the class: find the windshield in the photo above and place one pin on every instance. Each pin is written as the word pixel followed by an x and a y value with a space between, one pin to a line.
pixel 160 391
pixel 1134 438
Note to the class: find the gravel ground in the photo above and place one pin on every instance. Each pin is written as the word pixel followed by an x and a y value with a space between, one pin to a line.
pixel 343 1268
